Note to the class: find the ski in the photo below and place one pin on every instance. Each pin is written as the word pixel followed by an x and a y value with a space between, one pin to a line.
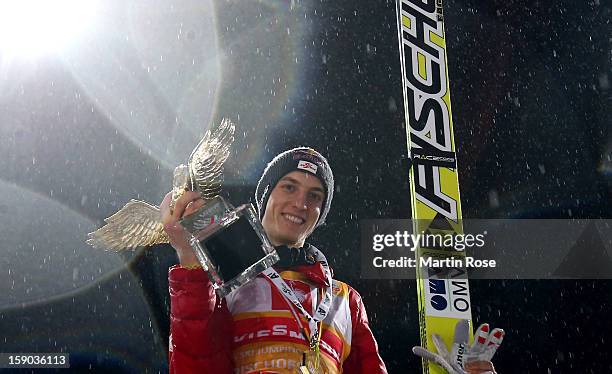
pixel 443 298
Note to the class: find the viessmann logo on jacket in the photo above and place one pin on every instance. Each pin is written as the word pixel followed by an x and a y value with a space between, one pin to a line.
pixel 283 330
pixel 272 350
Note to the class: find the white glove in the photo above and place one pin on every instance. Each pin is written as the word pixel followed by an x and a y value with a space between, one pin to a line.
pixel 484 347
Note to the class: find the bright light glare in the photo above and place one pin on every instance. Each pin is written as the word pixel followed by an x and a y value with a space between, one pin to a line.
pixel 34 27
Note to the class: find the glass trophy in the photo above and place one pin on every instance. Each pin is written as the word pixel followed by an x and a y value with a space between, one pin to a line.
pixel 230 244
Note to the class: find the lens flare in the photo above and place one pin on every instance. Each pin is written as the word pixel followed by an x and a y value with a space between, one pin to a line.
pixel 31 28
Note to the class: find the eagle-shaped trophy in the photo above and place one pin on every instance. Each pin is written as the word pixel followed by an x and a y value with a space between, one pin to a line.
pixel 230 243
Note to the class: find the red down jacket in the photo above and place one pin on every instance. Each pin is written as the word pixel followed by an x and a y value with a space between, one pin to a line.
pixel 252 330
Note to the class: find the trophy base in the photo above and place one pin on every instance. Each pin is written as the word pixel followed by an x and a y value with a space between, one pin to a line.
pixel 227 287
pixel 234 249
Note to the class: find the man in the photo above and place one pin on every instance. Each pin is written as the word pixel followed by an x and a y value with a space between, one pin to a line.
pixel 257 329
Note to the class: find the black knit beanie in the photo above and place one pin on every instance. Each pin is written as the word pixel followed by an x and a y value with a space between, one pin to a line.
pixel 302 159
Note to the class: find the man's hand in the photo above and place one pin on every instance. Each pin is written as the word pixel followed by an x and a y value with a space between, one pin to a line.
pixel 187 204
pixel 464 359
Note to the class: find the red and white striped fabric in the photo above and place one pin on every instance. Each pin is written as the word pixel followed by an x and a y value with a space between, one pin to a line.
pixel 253 330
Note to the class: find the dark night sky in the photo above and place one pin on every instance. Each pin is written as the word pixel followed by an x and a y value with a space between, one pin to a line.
pixel 530 88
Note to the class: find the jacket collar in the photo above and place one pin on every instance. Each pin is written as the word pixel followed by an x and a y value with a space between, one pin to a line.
pixel 298 259
pixel 290 257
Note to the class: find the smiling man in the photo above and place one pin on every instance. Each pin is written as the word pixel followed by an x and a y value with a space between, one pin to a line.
pixel 295 207
pixel 302 321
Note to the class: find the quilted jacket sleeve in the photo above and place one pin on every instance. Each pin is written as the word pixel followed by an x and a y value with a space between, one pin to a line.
pixel 364 357
pixel 200 325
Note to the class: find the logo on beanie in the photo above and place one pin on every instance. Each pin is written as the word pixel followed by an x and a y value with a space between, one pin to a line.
pixel 308 166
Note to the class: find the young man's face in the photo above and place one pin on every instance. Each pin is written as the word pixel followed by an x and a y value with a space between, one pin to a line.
pixel 293 209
